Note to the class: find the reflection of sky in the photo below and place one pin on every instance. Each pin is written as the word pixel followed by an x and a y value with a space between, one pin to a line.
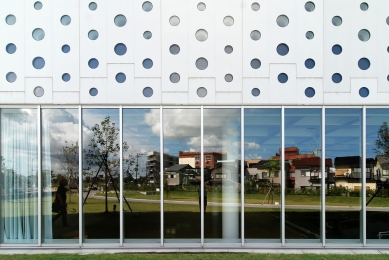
pixel 374 119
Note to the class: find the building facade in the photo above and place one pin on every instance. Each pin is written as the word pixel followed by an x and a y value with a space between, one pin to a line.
pixel 102 88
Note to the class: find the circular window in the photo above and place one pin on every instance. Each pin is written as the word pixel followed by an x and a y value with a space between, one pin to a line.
pixel 10 19
pixel 65 48
pixel 228 78
pixel 337 21
pixel 65 77
pixel 282 78
pixel 255 63
pixel 387 20
pixel 148 92
pixel 364 35
pixel 364 6
pixel 39 91
pixel 255 92
pixel 201 6
pixel 202 92
pixel 92 6
pixel 147 63
pixel 174 49
pixel 120 77
pixel 309 92
pixel 364 64
pixel 336 78
pixel 147 6
pixel 364 92
pixel 93 92
pixel 10 48
pixel 120 49
pixel 228 21
pixel 93 63
pixel 38 63
pixel 387 77
pixel 10 77
pixel 93 35
pixel 255 35
pixel 174 20
pixel 282 21
pixel 120 20
pixel 38 34
pixel 282 49
pixel 336 49
pixel 66 20
pixel 228 49
pixel 309 63
pixel 38 5
pixel 309 6
pixel 201 63
pixel 175 77
pixel 147 35
pixel 310 35
pixel 201 35
pixel 255 6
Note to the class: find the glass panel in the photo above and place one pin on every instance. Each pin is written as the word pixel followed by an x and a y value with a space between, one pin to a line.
pixel 377 174
pixel 101 174
pixel 262 138
pixel 60 175
pixel 182 173
pixel 141 173
pixel 222 174
pixel 343 135
pixel 19 176
pixel 302 173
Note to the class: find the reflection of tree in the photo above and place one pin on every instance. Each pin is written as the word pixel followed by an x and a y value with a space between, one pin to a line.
pixel 272 166
pixel 68 156
pixel 104 152
pixel 382 142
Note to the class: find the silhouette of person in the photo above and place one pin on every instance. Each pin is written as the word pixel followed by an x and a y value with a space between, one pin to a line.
pixel 60 200
pixel 205 198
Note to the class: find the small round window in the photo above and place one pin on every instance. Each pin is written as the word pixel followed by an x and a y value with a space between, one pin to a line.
pixel 38 5
pixel 93 35
pixel 10 48
pixel 66 20
pixel 148 92
pixel 93 92
pixel 336 49
pixel 201 92
pixel 147 6
pixel 309 35
pixel 309 92
pixel 282 78
pixel 65 48
pixel 38 34
pixel 309 6
pixel 66 77
pixel 120 77
pixel 364 6
pixel 228 21
pixel 255 7
pixel 309 63
pixel 174 77
pixel 364 64
pixel 364 35
pixel 255 63
pixel 92 6
pixel 38 63
pixel 147 63
pixel 201 63
pixel 120 20
pixel 255 92
pixel 201 35
pixel 228 49
pixel 228 78
pixel 11 77
pixel 39 91
pixel 282 49
pixel 174 49
pixel 282 21
pixel 147 35
pixel 174 20
pixel 364 92
pixel 10 19
pixel 337 21
pixel 336 78
pixel 93 63
pixel 120 49
pixel 201 6
pixel 255 35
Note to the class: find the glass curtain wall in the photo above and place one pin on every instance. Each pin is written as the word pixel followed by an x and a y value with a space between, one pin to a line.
pixel 343 140
pixel 302 173
pixel 377 175
pixel 101 175
pixel 19 176
pixel 262 141
pixel 222 153
pixel 141 174
pixel 60 175
pixel 182 173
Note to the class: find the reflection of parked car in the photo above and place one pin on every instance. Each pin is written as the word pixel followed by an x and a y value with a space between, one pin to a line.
pixel 94 188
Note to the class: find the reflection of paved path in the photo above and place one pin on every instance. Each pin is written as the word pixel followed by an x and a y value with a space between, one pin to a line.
pixel 265 206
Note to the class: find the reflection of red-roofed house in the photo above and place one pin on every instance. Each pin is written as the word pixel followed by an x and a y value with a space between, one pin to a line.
pixel 193 159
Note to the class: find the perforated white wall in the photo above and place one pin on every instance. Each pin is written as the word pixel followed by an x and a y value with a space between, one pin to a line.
pixel 67 78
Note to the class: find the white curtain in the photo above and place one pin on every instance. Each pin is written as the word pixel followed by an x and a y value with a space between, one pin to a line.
pixel 46 177
pixel 20 154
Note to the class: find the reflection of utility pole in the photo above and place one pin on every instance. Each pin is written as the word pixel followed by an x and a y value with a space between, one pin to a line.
pixel 136 168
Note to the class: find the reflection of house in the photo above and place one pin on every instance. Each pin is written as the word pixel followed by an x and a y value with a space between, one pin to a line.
pixel 193 159
pixel 381 168
pixel 348 172
pixel 153 164
pixel 270 171
pixel 226 173
pixel 253 171
pixel 175 175
pixel 307 172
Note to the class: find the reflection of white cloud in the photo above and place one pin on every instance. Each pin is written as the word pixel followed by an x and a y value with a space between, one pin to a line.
pixel 252 156
pixel 209 141
pixel 247 145
pixel 166 150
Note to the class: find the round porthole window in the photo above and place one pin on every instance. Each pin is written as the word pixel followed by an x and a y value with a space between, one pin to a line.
pixel 11 77
pixel 38 63
pixel 364 6
pixel 255 63
pixel 282 49
pixel 38 34
pixel 93 92
pixel 201 35
pixel 39 91
pixel 38 5
pixel 92 6
pixel 174 20
pixel 309 6
pixel 282 21
pixel 147 6
pixel 337 21
pixel 93 63
pixel 65 48
pixel 147 35
pixel 201 6
pixel 336 49
pixel 336 78
pixel 66 20
pixel 228 49
pixel 120 20
pixel 364 92
pixel 228 21
pixel 66 77
pixel 309 35
pixel 309 92
pixel 93 35
pixel 364 64
pixel 255 35
pixel 10 48
pixel 174 77
pixel 147 63
pixel 255 6
pixel 10 19
pixel 202 92
pixel 120 49
pixel 309 63
pixel 120 77
pixel 255 92
pixel 282 78
pixel 201 63
pixel 148 92
pixel 174 49
pixel 228 78
pixel 364 35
